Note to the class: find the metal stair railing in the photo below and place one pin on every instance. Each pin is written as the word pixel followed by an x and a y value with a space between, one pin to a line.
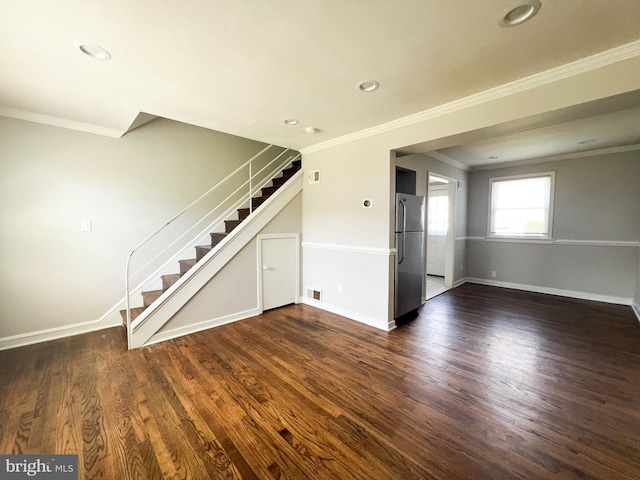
pixel 252 184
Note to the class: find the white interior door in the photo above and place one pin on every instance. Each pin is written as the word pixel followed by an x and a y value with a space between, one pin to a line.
pixel 437 228
pixel 279 267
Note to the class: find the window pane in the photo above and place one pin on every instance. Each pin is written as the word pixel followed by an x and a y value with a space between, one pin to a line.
pixel 521 193
pixel 520 207
pixel 437 223
pixel 520 222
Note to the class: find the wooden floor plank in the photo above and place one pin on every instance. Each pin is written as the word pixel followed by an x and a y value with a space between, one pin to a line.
pixel 482 383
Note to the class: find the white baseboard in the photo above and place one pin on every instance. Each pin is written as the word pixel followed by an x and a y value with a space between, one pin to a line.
pixel 386 325
pixel 553 291
pixel 200 326
pixel 29 338
pixel 459 282
pixel 636 310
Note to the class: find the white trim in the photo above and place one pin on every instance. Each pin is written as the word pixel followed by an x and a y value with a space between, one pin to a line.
pixel 556 158
pixel 55 333
pixel 260 272
pixel 200 326
pixel 636 309
pixel 350 248
pixel 60 122
pixel 598 243
pixel 559 241
pixel 460 281
pixel 381 324
pixel 568 70
pixel 451 161
pixel 542 241
pixel 596 297
pixel 451 188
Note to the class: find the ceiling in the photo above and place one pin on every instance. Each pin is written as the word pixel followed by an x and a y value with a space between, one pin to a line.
pixel 243 66
pixel 605 125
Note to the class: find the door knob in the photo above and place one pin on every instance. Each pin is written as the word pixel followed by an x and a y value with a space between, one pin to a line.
pixel 264 267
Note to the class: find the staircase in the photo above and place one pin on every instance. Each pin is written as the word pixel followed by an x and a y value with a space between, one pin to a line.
pixel 149 297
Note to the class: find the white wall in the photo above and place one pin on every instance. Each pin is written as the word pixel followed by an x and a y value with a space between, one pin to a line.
pixel 597 200
pixel 360 166
pixel 344 243
pixel 53 276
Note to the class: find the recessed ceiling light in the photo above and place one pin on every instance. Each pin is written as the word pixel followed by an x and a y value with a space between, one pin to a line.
pixel 311 130
pixel 93 51
pixel 291 121
pixel 494 157
pixel 367 85
pixel 591 140
pixel 519 13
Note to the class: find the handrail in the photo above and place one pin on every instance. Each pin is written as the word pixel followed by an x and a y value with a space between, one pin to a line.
pixel 232 194
pixel 179 214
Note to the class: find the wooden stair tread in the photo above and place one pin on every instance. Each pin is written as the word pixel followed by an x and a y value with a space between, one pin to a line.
pixel 151 296
pixel 202 250
pixel 217 237
pixel 135 313
pixel 185 265
pixel 168 280
pixel 266 191
pixel 243 213
pixel 229 225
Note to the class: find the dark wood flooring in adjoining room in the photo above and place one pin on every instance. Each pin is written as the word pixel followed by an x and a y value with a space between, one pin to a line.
pixel 483 383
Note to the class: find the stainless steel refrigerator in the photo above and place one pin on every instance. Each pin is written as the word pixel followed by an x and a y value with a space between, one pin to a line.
pixel 410 266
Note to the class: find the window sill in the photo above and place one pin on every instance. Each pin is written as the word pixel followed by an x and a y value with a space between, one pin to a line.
pixel 543 241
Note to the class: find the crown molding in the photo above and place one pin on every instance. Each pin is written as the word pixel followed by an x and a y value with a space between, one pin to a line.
pixel 59 122
pixel 587 64
pixel 556 158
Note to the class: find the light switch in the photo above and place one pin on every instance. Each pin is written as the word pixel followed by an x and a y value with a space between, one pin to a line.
pixel 85 226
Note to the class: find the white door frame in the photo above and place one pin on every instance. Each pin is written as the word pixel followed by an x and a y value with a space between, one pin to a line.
pixel 265 236
pixel 450 242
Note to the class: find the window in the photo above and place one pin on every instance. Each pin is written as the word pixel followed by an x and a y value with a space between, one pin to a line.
pixel 437 221
pixel 521 206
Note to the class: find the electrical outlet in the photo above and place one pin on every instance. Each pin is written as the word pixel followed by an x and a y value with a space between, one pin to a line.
pixel 493 274
pixel 339 289
pixel 461 267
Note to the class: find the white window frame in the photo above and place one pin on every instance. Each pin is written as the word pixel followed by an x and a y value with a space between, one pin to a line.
pixel 549 236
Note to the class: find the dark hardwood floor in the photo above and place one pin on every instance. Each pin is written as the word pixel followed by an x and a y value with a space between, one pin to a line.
pixel 483 383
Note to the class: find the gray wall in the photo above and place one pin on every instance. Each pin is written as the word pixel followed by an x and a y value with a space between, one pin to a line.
pixel 597 200
pixel 53 276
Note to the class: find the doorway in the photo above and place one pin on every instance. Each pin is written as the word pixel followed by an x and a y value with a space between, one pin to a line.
pixel 440 253
pixel 278 274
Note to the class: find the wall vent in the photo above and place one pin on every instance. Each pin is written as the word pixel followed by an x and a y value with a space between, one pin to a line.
pixel 314 294
pixel 314 176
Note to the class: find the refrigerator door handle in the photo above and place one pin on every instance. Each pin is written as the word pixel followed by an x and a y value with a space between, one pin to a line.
pixel 404 228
